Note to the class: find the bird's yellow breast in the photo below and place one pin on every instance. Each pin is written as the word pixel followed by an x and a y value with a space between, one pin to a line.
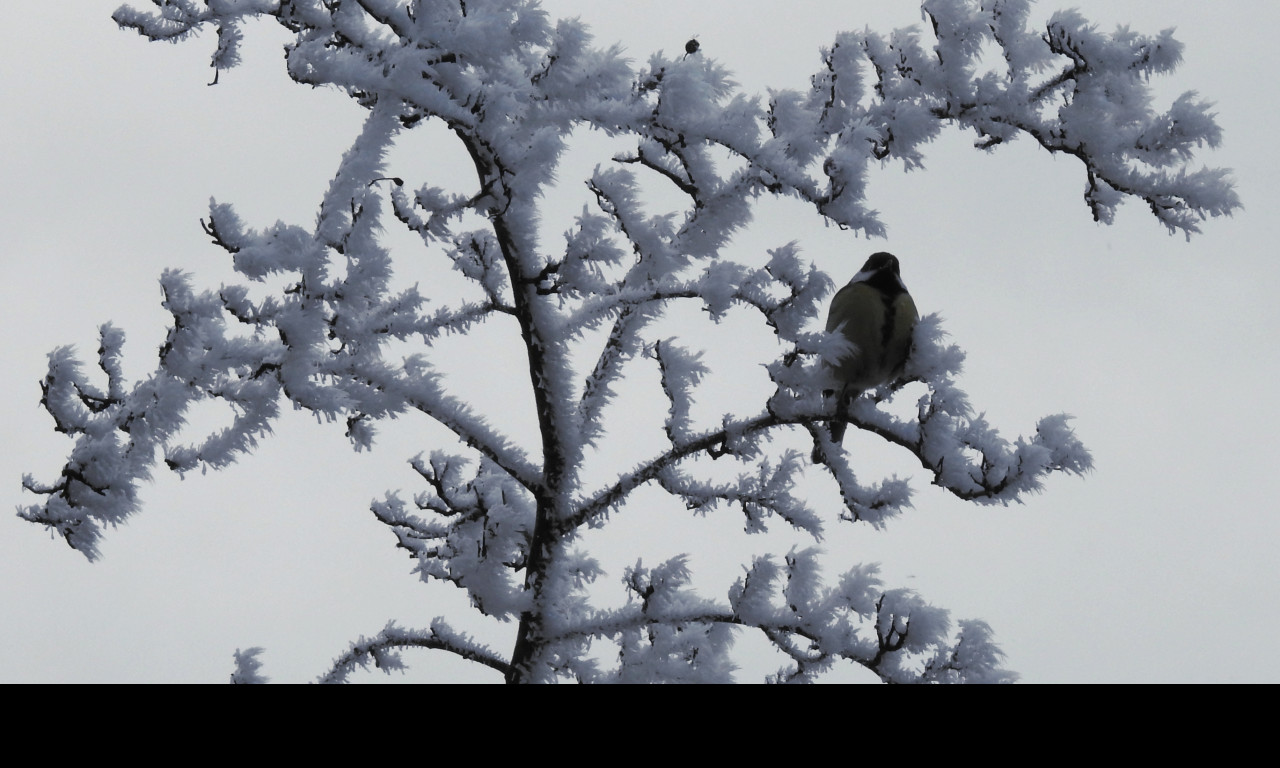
pixel 880 329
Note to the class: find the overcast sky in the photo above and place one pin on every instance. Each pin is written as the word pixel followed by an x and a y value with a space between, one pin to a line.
pixel 1158 566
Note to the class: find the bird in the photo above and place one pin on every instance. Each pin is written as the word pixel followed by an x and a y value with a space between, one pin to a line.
pixel 877 315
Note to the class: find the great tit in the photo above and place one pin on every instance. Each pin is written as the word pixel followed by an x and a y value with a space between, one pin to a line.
pixel 877 315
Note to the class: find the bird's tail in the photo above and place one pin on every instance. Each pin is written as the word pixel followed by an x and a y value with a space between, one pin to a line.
pixel 836 429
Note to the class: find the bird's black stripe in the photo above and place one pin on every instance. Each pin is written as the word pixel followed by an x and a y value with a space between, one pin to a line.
pixel 890 301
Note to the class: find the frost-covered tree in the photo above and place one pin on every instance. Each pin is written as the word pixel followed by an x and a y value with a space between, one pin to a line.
pixel 319 325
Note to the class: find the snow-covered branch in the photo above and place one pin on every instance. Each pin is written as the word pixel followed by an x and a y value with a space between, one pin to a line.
pixel 318 325
pixel 479 534
pixel 383 650
pixel 965 454
pixel 665 631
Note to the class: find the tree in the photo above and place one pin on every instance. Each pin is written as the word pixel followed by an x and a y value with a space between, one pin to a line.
pixel 324 328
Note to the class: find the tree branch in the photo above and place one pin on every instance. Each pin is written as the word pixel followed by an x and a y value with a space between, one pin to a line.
pixel 381 650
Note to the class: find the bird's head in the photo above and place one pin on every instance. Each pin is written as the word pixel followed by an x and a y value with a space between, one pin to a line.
pixel 880 262
pixel 881 270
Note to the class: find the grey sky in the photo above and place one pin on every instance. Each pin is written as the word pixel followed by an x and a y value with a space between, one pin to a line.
pixel 1158 566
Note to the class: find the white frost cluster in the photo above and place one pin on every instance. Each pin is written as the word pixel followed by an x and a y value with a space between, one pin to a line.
pixel 503 522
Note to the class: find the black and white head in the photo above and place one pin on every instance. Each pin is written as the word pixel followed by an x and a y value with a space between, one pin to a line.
pixel 881 272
